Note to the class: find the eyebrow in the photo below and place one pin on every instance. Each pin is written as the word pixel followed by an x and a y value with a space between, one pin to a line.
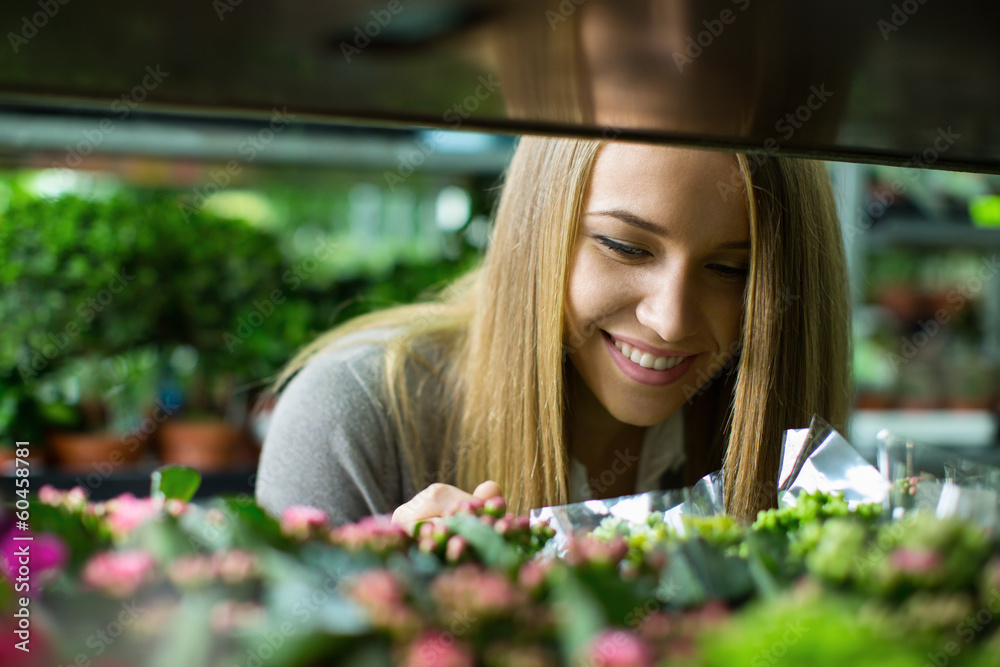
pixel 634 220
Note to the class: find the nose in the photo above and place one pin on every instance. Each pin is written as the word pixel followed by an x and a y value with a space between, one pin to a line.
pixel 671 306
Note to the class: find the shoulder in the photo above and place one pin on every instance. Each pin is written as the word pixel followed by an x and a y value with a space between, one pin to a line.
pixel 331 441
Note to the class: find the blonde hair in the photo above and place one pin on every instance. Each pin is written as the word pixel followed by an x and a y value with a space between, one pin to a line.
pixel 503 327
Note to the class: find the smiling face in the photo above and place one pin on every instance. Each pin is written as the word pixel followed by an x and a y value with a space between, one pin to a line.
pixel 658 274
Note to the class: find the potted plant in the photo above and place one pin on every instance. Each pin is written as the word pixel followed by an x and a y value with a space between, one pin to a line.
pixel 220 329
pixel 95 407
pixel 77 297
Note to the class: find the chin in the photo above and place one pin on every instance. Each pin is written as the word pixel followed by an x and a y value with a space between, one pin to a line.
pixel 640 416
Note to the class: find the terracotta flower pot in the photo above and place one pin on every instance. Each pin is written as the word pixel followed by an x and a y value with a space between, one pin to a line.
pixel 205 445
pixel 78 452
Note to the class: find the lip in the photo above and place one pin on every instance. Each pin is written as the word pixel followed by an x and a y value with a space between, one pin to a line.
pixel 655 351
pixel 647 376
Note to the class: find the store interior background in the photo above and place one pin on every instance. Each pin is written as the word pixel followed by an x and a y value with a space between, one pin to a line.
pixel 324 225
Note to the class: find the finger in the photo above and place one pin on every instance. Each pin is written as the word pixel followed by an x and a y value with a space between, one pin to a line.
pixel 486 490
pixel 429 503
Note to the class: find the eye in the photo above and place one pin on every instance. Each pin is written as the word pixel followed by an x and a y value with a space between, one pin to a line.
pixel 731 272
pixel 627 251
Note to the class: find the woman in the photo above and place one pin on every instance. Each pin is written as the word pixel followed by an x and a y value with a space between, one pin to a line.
pixel 721 278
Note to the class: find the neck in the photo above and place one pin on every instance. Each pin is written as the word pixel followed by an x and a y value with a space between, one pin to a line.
pixel 594 436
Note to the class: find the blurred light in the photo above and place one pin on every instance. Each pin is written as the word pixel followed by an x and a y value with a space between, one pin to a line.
pixel 452 208
pixel 183 360
pixel 478 232
pixel 55 183
pixel 52 183
pixel 985 211
pixel 458 142
pixel 251 207
pixel 364 201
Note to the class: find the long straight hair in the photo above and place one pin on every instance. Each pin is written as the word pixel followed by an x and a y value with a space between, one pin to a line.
pixel 502 329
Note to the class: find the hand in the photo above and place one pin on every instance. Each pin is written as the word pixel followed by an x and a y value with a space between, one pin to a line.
pixel 436 499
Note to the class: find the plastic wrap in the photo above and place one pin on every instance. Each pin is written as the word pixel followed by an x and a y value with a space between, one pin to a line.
pixel 814 459
pixel 825 461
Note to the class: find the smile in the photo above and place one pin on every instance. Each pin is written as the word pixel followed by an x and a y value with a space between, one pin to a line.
pixel 647 360
pixel 644 366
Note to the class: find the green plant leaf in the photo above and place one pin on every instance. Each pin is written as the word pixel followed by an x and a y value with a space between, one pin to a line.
pixel 580 616
pixel 491 547
pixel 178 482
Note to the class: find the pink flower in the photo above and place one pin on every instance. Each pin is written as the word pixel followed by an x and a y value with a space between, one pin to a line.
pixel 45 555
pixel 76 498
pixel 191 571
pixel 376 533
pixel 126 513
pixel 302 521
pixel 377 588
pixel 175 507
pixel 480 592
pixel 436 649
pixel 456 549
pixel 236 566
pixel 118 573
pixel 472 506
pixel 588 550
pixel 619 648
pixel 495 507
pixel 915 561
pixel 532 575
pixel 383 595
pixel 50 495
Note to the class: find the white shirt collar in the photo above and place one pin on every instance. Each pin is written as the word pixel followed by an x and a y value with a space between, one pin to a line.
pixel 662 450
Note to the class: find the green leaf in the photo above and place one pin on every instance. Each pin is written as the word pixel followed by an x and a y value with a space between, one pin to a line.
pixel 580 617
pixel 491 547
pixel 188 639
pixel 178 482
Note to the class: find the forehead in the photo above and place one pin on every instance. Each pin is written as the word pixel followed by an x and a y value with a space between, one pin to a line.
pixel 668 185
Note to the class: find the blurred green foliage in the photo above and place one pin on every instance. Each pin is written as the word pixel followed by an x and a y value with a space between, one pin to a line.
pixel 85 283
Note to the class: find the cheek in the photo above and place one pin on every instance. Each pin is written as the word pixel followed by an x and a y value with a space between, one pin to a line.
pixel 727 317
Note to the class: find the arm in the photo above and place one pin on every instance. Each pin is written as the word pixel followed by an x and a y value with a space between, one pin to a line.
pixel 329 443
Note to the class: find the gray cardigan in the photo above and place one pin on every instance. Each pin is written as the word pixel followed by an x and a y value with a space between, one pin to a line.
pixel 331 443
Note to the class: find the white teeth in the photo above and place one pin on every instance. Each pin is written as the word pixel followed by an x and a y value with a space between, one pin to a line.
pixel 647 360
